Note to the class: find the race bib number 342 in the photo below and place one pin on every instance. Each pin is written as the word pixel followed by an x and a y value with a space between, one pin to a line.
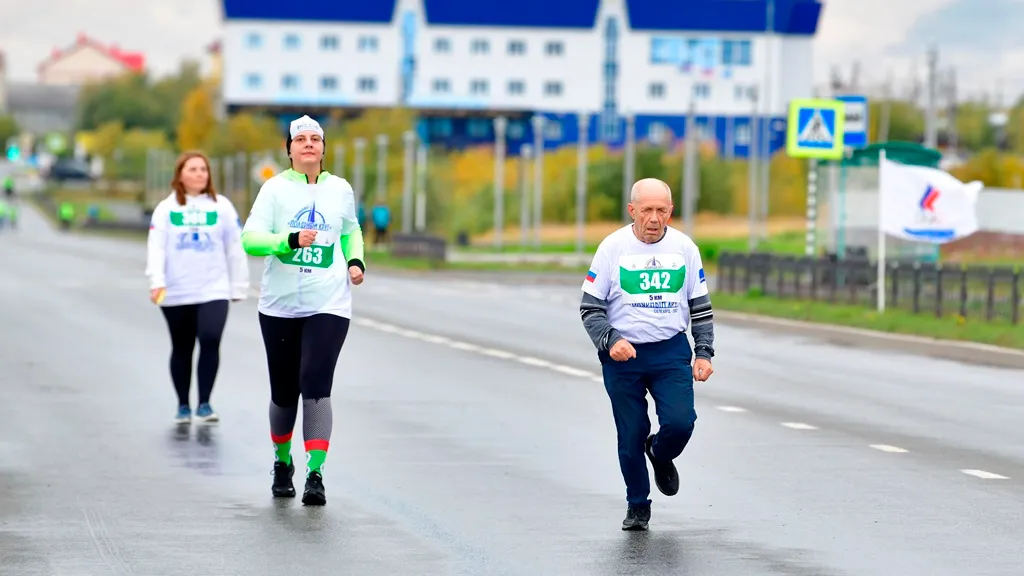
pixel 652 277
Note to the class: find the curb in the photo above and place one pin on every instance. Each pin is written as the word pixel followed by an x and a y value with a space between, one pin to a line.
pixel 955 350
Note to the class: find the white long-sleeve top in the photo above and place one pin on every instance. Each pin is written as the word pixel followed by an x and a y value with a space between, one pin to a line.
pixel 195 251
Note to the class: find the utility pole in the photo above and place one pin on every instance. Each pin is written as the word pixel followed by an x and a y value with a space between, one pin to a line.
pixel 931 132
pixel 954 136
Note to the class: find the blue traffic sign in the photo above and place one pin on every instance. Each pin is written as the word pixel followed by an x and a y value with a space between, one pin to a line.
pixel 815 129
pixel 855 132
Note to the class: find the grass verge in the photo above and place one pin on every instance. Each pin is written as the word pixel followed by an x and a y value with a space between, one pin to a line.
pixel 384 260
pixel 998 333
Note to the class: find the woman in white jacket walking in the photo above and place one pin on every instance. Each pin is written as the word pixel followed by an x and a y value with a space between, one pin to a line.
pixel 195 264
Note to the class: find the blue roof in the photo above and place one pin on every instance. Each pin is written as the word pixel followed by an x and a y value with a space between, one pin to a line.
pixel 520 13
pixel 370 11
pixel 791 16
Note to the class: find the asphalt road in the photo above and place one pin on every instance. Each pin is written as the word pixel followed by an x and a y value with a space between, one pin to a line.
pixel 471 436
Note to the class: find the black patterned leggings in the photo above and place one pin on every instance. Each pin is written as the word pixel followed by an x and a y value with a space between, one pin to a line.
pixel 302 354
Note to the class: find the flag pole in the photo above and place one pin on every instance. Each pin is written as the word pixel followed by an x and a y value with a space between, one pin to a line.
pixel 881 235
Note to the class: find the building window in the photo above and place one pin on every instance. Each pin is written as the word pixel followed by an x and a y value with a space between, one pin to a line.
pixel 290 82
pixel 656 91
pixel 657 133
pixel 329 43
pixel 554 48
pixel 516 47
pixel 441 127
pixel 329 83
pixel 479 127
pixel 553 88
pixel 367 84
pixel 552 130
pixel 736 53
pixel 367 44
pixel 442 46
pixel 253 40
pixel 253 81
pixel 442 86
pixel 516 87
pixel 702 91
pixel 516 130
pixel 743 134
pixel 478 87
pixel 291 42
pixel 480 46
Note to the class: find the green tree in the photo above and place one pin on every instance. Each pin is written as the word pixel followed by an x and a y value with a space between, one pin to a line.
pixel 8 129
pixel 137 101
pixel 197 120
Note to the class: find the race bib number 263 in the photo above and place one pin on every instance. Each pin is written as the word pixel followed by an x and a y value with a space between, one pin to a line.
pixel 309 257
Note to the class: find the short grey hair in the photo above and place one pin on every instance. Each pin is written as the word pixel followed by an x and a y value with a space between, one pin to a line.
pixel 645 181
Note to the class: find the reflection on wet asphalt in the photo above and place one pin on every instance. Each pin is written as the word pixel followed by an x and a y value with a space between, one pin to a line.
pixel 449 459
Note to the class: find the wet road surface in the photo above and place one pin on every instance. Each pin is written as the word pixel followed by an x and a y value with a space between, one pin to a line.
pixel 471 437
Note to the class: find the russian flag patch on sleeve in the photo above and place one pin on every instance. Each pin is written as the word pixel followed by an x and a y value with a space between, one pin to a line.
pixel 591 276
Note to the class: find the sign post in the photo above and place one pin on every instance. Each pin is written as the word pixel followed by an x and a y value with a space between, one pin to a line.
pixel 814 131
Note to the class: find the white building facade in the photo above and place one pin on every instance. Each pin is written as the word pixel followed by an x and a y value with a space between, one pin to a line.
pixel 462 62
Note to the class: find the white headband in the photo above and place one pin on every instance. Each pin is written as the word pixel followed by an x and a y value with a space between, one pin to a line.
pixel 306 124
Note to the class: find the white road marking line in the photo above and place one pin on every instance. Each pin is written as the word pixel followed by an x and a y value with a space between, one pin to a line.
pixel 464 346
pixel 888 448
pixel 534 361
pixel 498 353
pixel 799 426
pixel 571 371
pixel 731 409
pixel 493 352
pixel 985 475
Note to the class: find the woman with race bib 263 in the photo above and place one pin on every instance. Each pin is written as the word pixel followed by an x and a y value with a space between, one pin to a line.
pixel 304 222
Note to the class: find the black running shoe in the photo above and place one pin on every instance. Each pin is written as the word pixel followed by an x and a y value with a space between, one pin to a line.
pixel 665 474
pixel 283 487
pixel 637 518
pixel 315 495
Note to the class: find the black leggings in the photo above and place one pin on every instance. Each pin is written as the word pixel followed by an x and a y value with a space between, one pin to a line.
pixel 302 354
pixel 187 323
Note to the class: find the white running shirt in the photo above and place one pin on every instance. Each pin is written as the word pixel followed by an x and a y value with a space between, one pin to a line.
pixel 195 251
pixel 648 287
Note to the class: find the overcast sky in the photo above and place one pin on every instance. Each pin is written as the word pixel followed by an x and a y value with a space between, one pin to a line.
pixel 982 38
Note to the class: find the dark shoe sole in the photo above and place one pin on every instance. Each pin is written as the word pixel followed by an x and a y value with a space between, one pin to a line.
pixel 283 492
pixel 666 490
pixel 313 499
pixel 635 527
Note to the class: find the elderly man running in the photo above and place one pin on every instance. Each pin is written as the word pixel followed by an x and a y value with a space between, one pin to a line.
pixel 646 284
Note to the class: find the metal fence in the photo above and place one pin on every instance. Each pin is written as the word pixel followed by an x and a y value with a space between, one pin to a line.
pixel 973 292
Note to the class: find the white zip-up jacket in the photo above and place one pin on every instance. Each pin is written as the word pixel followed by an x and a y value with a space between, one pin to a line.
pixel 195 251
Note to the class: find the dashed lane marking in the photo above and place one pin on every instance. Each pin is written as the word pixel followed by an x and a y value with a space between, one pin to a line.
pixel 799 426
pixel 888 448
pixel 984 475
pixel 594 377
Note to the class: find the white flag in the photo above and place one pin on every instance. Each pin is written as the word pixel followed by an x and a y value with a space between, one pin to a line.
pixel 925 204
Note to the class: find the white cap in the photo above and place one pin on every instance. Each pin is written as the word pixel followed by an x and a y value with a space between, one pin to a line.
pixel 306 124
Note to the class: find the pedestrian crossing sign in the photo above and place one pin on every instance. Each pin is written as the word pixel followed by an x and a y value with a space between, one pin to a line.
pixel 815 129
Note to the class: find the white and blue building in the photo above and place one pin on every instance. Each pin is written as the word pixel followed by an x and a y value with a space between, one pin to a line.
pixel 460 63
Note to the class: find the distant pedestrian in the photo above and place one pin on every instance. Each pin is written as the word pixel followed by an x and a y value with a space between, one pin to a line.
pixel 195 264
pixel 645 282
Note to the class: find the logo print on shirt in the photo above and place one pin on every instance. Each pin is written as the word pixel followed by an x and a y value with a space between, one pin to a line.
pixel 195 241
pixel 652 263
pixel 309 219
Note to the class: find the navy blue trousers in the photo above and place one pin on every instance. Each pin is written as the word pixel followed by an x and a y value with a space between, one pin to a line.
pixel 664 369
